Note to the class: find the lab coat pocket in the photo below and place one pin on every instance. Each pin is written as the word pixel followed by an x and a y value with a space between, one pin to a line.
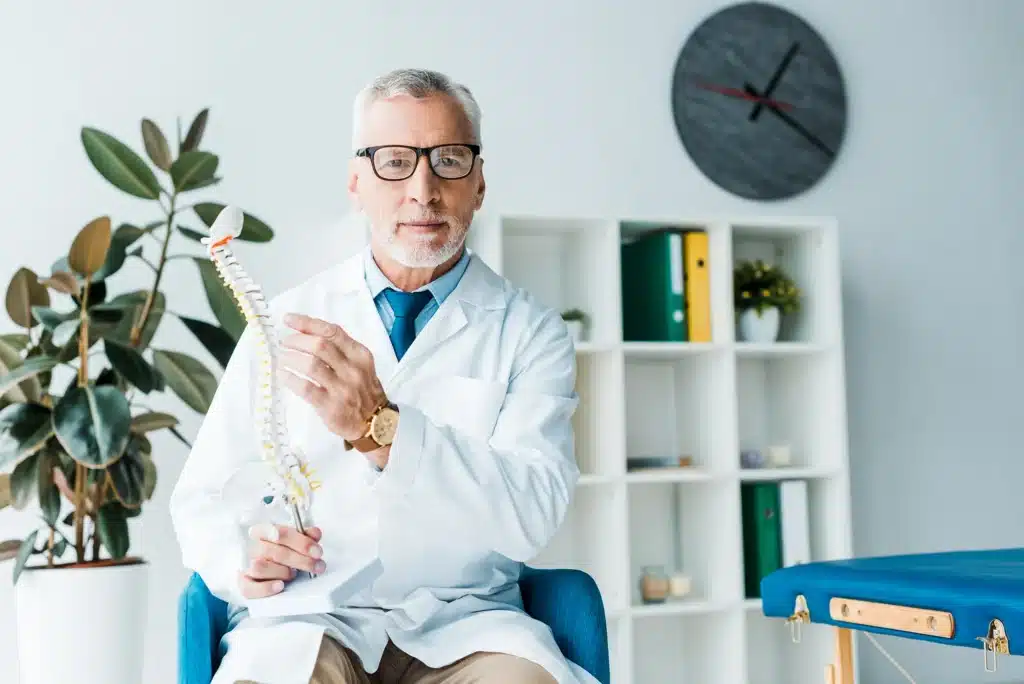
pixel 470 405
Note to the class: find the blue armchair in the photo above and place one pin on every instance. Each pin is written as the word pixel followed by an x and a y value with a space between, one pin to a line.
pixel 567 601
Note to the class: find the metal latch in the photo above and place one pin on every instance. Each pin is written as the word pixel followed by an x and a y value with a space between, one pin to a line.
pixel 995 641
pixel 800 614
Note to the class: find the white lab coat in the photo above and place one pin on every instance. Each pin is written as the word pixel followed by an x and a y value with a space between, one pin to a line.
pixel 480 476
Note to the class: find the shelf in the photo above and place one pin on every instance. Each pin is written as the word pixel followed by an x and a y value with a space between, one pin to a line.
pixel 808 254
pixel 679 407
pixel 791 400
pixel 705 400
pixel 678 526
pixel 688 649
pixel 566 264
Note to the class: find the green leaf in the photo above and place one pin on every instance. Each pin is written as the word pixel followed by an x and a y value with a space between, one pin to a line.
pixel 221 299
pixel 131 365
pixel 112 527
pixel 128 475
pixel 156 145
pixel 187 377
pixel 26 549
pixel 9 549
pixel 63 333
pixel 23 483
pixel 29 369
pixel 92 424
pixel 191 234
pixel 51 318
pixel 150 477
pixel 192 168
pixel 49 495
pixel 5 491
pixel 123 238
pixel 119 164
pixel 217 341
pixel 253 229
pixel 10 358
pixel 195 131
pixel 24 430
pixel 16 341
pixel 132 303
pixel 152 420
pixel 23 293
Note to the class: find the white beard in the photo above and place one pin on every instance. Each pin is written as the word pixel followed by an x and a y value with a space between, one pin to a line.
pixel 419 251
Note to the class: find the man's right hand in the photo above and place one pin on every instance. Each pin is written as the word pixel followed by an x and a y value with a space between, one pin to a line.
pixel 278 553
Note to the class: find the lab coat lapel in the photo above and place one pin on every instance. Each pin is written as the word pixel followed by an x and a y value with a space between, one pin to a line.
pixel 362 320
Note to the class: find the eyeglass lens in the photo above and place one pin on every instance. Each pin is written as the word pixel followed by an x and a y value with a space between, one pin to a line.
pixel 398 163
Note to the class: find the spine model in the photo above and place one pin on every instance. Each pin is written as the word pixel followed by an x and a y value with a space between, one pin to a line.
pixel 295 484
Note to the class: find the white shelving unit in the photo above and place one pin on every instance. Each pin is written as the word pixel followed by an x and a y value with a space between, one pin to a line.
pixel 708 400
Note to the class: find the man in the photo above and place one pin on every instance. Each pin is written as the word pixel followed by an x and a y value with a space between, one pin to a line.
pixel 468 384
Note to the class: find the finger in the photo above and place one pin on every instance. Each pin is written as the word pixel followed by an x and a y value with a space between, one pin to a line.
pixel 302 543
pixel 265 532
pixel 252 588
pixel 312 325
pixel 263 569
pixel 315 533
pixel 313 368
pixel 312 393
pixel 289 557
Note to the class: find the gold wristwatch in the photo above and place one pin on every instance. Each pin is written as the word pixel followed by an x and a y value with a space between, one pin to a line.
pixel 380 429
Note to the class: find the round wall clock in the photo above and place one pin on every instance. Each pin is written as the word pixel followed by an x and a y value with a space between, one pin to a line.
pixel 759 101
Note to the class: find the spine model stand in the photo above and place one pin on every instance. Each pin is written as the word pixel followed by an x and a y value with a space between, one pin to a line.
pixel 294 486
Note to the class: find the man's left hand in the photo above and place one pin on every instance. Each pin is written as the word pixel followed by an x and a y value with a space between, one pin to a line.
pixel 345 389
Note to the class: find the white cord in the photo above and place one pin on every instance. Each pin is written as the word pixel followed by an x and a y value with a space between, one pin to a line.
pixel 891 659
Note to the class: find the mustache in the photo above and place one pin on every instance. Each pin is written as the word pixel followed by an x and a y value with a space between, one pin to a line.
pixel 429 218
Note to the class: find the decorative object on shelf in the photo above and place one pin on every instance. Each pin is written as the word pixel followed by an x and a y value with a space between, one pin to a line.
pixel 655 462
pixel 759 101
pixel 74 420
pixel 654 584
pixel 576 319
pixel 751 458
pixel 779 455
pixel 679 585
pixel 762 293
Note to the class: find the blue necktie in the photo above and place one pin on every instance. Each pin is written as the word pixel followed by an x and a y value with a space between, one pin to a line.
pixel 406 307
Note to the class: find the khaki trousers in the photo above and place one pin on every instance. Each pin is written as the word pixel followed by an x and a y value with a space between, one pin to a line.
pixel 338 665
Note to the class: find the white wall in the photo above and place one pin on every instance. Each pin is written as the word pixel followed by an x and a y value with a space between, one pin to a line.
pixel 927 190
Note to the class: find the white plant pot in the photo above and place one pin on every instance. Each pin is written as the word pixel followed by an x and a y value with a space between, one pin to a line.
pixel 576 330
pixel 761 329
pixel 84 625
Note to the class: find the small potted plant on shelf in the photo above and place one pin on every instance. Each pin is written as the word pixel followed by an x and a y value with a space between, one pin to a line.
pixel 762 293
pixel 76 380
pixel 576 320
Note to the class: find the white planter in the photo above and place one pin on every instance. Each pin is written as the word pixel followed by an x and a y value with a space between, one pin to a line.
pixel 576 330
pixel 763 328
pixel 84 625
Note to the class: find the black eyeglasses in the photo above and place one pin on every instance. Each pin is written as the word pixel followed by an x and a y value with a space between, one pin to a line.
pixel 398 162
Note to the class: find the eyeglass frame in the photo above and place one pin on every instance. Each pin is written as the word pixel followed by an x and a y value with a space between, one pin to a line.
pixel 368 152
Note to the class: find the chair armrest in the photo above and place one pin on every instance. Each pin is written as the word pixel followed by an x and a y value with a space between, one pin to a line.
pixel 569 602
pixel 202 620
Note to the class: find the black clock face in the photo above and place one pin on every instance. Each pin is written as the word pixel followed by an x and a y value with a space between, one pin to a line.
pixel 759 102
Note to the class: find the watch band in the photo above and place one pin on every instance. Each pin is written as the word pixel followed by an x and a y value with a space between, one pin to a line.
pixel 367 443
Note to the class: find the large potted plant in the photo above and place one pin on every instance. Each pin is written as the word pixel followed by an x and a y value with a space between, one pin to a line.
pixel 74 420
pixel 762 293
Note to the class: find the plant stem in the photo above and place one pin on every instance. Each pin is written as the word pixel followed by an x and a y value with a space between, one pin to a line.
pixel 83 380
pixel 140 325
pixel 101 495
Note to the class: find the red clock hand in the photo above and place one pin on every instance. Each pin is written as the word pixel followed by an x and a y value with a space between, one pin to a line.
pixel 736 92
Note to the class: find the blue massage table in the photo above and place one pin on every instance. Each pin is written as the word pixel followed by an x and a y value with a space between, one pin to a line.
pixel 972 598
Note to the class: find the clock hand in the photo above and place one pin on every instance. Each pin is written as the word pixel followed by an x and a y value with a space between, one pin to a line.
pixel 736 92
pixel 793 123
pixel 776 77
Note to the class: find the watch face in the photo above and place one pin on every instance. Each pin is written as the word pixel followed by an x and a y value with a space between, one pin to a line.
pixel 759 101
pixel 384 425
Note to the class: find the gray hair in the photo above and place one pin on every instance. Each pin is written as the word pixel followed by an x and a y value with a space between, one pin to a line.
pixel 416 83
